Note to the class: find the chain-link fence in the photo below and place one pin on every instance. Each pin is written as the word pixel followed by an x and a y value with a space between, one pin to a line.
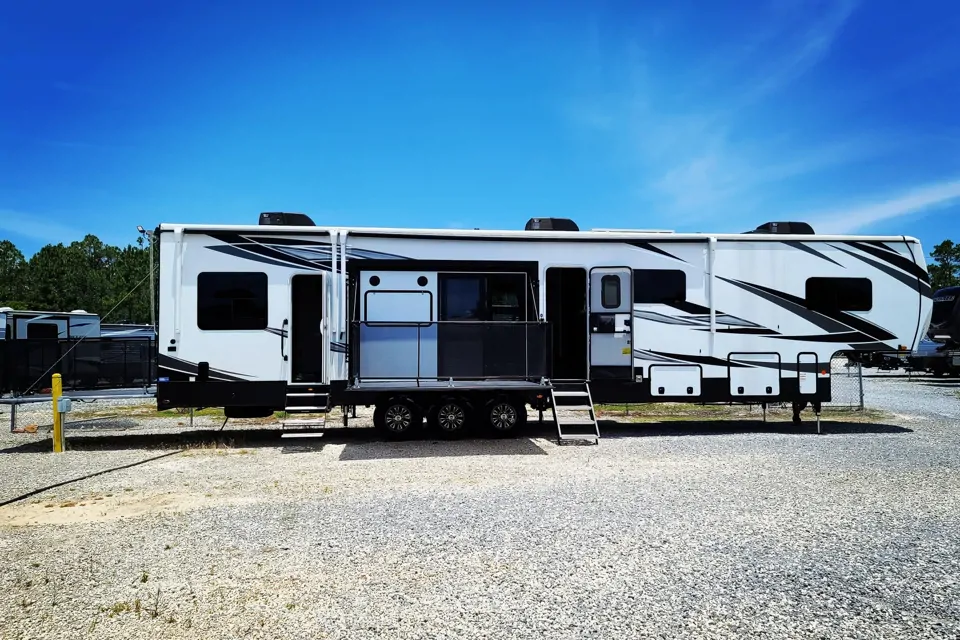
pixel 846 383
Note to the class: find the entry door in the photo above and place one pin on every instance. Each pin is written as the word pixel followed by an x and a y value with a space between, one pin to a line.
pixel 307 346
pixel 611 323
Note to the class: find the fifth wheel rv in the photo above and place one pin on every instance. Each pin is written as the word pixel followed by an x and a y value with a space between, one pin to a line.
pixel 940 353
pixel 461 326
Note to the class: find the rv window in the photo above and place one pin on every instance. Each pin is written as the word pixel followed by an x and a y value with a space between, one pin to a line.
pixel 231 301
pixel 42 331
pixel 499 297
pixel 839 294
pixel 506 297
pixel 610 292
pixel 461 297
pixel 659 286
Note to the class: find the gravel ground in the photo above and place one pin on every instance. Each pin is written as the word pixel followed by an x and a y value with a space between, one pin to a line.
pixel 731 529
pixel 886 390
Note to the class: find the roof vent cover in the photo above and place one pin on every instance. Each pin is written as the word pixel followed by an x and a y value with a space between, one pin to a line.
pixel 784 228
pixel 551 224
pixel 280 218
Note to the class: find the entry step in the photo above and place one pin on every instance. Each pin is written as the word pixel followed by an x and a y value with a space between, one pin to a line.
pixel 578 427
pixel 307 398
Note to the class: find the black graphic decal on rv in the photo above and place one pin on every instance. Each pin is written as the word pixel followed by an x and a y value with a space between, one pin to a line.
pixel 811 251
pixel 190 368
pixel 832 322
pixel 648 246
pixel 906 279
pixel 895 259
pixel 701 317
pixel 288 252
pixel 692 359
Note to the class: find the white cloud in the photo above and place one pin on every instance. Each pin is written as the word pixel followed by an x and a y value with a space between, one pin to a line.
pixel 37 227
pixel 851 219
pixel 690 133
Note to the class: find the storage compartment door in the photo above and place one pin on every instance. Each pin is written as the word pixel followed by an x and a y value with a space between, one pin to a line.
pixel 675 380
pixel 754 374
pixel 807 372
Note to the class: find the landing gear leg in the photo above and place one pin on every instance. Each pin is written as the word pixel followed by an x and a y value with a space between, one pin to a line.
pixel 797 408
pixel 816 410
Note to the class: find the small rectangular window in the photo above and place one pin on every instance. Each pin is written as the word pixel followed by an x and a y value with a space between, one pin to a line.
pixel 42 331
pixel 610 292
pixel 231 301
pixel 839 294
pixel 659 286
pixel 461 298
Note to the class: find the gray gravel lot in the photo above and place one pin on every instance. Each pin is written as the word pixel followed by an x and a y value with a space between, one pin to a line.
pixel 685 529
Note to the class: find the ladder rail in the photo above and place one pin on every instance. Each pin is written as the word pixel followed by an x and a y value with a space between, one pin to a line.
pixel 583 392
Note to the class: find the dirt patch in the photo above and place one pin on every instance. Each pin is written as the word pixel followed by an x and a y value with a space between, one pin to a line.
pixel 112 507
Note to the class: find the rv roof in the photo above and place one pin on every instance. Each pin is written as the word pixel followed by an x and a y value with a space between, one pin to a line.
pixel 45 313
pixel 514 233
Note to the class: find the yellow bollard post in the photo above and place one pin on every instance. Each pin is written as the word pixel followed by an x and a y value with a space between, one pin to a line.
pixel 58 443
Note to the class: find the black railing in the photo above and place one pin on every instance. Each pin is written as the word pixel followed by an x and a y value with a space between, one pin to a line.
pixel 93 363
pixel 469 350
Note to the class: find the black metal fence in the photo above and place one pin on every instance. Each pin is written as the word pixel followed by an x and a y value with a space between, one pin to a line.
pixel 94 363
pixel 461 350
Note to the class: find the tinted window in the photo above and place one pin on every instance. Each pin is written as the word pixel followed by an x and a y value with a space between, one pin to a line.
pixel 499 297
pixel 231 301
pixel 610 292
pixel 663 286
pixel 461 298
pixel 42 330
pixel 506 296
pixel 839 294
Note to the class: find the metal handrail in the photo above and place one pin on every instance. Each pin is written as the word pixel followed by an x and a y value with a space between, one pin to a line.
pixel 355 345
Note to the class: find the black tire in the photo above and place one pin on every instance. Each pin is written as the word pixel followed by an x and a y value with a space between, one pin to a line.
pixel 450 418
pixel 398 418
pixel 504 416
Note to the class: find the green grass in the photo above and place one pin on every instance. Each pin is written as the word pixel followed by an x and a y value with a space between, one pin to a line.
pixel 173 413
pixel 678 412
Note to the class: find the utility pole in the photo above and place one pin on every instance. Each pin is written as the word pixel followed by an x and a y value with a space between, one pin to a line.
pixel 153 293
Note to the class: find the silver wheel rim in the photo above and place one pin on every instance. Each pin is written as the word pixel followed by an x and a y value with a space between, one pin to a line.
pixel 398 417
pixel 503 416
pixel 451 417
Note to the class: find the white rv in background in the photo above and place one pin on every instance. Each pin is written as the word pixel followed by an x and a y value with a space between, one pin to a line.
pixel 457 326
pixel 18 324
pixel 34 325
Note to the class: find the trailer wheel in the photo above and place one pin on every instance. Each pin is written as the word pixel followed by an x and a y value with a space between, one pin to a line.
pixel 505 416
pixel 450 417
pixel 397 418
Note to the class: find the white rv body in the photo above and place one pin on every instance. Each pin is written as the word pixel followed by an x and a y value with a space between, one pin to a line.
pixel 748 317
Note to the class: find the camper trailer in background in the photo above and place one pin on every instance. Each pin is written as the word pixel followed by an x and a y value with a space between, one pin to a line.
pixel 87 353
pixel 939 353
pixel 476 325
pixel 46 325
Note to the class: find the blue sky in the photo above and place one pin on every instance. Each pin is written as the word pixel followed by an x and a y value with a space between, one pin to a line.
pixel 694 116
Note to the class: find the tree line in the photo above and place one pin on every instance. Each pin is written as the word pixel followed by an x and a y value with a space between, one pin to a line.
pixel 97 277
pixel 86 274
